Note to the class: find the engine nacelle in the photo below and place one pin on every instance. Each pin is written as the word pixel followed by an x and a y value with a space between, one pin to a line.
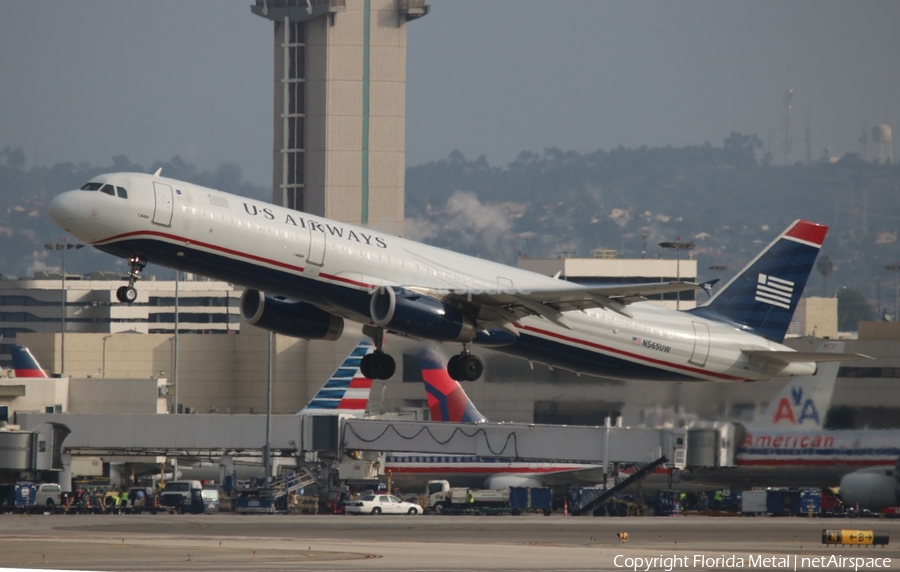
pixel 873 489
pixel 289 317
pixel 506 480
pixel 418 315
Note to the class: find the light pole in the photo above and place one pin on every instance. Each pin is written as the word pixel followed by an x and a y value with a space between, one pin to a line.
pixel 677 246
pixel 62 246
pixel 105 339
pixel 895 268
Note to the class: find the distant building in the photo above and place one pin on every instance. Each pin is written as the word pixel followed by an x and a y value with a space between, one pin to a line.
pixel 610 270
pixel 34 305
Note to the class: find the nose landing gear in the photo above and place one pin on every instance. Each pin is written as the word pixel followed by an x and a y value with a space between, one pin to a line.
pixel 128 294
pixel 378 365
pixel 465 366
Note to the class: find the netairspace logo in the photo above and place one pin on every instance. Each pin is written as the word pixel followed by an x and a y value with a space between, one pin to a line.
pixel 749 562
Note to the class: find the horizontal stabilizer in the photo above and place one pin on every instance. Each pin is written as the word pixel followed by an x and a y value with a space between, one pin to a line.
pixel 802 357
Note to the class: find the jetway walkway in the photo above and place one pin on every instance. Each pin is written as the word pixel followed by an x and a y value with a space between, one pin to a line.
pixel 511 440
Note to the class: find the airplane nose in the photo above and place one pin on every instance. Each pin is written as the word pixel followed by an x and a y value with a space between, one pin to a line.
pixel 63 208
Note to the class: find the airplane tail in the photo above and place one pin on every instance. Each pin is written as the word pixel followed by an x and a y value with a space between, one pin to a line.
pixel 804 401
pixel 24 363
pixel 346 391
pixel 446 399
pixel 764 295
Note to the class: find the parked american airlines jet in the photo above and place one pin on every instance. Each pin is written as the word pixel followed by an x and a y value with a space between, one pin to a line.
pixel 24 364
pixel 305 275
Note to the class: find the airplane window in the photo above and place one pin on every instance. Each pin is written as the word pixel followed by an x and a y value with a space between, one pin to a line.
pixel 296 236
pixel 212 216
pixel 342 249
pixel 349 250
pixel 258 227
pixel 231 220
pixel 222 218
pixel 193 211
pixel 91 186
pixel 268 229
pixel 203 212
pixel 108 190
pixel 276 232
pixel 183 208
pixel 123 194
pixel 240 222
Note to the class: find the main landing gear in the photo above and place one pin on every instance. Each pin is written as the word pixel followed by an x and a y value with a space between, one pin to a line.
pixel 378 365
pixel 465 366
pixel 128 294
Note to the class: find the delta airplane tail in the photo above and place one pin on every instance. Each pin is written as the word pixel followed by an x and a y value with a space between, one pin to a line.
pixel 24 363
pixel 347 390
pixel 764 295
pixel 446 399
pixel 804 401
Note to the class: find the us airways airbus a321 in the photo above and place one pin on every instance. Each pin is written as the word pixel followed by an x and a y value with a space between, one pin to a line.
pixel 305 275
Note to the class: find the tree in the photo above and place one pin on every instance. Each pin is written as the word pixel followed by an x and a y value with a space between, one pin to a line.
pixel 825 267
pixel 852 309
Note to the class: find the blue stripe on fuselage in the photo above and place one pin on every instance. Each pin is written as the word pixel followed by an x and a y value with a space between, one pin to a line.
pixel 343 298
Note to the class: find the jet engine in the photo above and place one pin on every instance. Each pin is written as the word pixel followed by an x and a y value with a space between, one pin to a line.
pixel 289 317
pixel 874 489
pixel 418 315
pixel 506 480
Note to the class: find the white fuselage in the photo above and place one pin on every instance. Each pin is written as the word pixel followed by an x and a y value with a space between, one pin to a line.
pixel 336 266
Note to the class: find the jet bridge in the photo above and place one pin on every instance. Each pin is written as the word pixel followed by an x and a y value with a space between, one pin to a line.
pixel 703 446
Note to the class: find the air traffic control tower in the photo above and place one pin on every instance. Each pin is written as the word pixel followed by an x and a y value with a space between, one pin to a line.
pixel 340 80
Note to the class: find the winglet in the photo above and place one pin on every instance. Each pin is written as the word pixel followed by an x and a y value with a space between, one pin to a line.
pixel 446 399
pixel 24 364
pixel 346 391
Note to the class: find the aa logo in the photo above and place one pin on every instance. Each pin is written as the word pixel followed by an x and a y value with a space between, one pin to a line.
pixel 796 410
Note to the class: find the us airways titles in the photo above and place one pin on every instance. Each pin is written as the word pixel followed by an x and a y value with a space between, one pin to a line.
pixel 317 226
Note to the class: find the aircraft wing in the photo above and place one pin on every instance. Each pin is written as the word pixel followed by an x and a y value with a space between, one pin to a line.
pixel 801 357
pixel 503 306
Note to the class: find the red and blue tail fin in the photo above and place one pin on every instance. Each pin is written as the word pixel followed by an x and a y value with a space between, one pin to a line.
pixel 24 363
pixel 346 391
pixel 446 399
pixel 764 295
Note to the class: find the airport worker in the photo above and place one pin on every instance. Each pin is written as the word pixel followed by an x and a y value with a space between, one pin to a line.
pixel 470 498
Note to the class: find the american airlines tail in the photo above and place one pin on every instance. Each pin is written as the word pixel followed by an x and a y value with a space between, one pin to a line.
pixel 764 295
pixel 446 399
pixel 347 390
pixel 804 401
pixel 24 364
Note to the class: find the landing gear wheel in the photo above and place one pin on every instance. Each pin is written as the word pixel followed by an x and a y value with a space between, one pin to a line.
pixel 470 367
pixel 453 368
pixel 378 365
pixel 365 367
pixel 126 294
pixel 385 366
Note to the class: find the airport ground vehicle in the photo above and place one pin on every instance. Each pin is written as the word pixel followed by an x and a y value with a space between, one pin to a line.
pixel 210 495
pixel 442 498
pixel 182 497
pixel 530 499
pixel 382 504
pixel 47 494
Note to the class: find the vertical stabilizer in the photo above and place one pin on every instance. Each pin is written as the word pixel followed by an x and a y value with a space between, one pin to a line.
pixel 446 399
pixel 346 392
pixel 764 295
pixel 24 363
pixel 804 401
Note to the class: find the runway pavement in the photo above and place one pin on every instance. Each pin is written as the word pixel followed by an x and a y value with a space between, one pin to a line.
pixel 527 542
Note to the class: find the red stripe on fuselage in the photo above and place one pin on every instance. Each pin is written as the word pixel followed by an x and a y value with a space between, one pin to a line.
pixel 371 287
pixel 488 470
pixel 353 404
pixel 630 355
pixel 815 462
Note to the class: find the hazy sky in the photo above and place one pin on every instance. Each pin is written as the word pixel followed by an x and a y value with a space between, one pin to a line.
pixel 87 80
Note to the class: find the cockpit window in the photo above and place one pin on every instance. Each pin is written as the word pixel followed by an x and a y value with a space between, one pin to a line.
pixel 91 186
pixel 123 194
pixel 108 189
